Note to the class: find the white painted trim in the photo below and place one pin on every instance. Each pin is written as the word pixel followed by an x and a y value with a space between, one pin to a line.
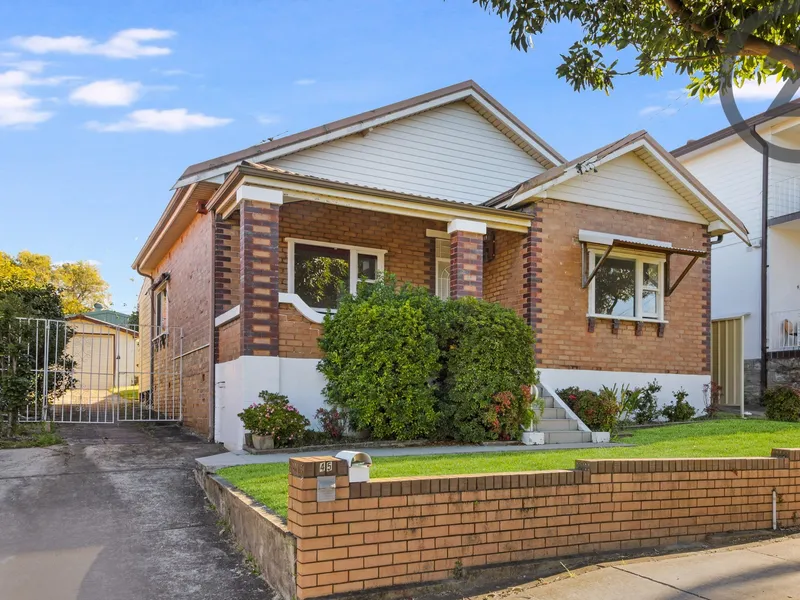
pixel 228 315
pixel 718 228
pixel 303 308
pixel 559 403
pixel 629 319
pixel 730 317
pixel 466 226
pixel 258 194
pixel 606 239
pixel 354 252
pixel 639 259
pixel 372 123
pixel 435 233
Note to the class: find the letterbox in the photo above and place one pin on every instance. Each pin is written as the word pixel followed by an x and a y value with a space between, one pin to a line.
pixel 358 464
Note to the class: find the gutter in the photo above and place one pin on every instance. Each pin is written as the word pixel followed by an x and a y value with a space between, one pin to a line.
pixel 764 254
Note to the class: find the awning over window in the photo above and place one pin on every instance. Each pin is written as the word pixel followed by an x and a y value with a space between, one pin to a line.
pixel 613 242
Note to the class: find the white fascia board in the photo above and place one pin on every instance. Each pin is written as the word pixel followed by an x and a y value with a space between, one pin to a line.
pixel 258 194
pixel 606 239
pixel 466 226
pixel 227 316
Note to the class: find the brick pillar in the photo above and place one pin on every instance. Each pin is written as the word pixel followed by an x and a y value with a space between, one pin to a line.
pixel 226 270
pixel 532 276
pixel 466 258
pixel 259 213
pixel 323 559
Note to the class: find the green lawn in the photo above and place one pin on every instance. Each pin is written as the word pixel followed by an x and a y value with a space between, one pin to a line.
pixel 729 437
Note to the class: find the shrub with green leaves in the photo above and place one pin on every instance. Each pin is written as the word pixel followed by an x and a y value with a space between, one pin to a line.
pixel 782 403
pixel 646 409
pixel 381 361
pixel 680 410
pixel 404 364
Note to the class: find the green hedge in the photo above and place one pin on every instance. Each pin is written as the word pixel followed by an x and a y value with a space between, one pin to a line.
pixel 404 364
pixel 782 403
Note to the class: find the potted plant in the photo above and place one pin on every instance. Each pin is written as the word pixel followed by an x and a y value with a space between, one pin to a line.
pixel 273 422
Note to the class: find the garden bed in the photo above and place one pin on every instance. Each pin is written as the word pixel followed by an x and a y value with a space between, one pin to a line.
pixel 366 445
pixel 268 483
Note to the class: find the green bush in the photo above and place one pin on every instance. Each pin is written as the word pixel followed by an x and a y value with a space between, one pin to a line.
pixel 381 361
pixel 646 409
pixel 599 412
pixel 488 350
pixel 680 410
pixel 276 417
pixel 404 364
pixel 783 403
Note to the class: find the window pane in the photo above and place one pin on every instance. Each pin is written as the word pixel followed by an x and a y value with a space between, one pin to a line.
pixel 615 287
pixel 650 304
pixel 367 267
pixel 443 279
pixel 319 274
pixel 650 278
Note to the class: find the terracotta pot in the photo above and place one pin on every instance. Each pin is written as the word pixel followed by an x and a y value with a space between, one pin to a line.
pixel 263 442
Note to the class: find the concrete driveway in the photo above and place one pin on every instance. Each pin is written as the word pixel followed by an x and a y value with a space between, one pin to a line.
pixel 761 571
pixel 114 514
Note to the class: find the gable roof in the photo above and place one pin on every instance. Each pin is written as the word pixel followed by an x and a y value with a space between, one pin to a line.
pixel 653 154
pixel 790 109
pixel 92 320
pixel 107 315
pixel 467 91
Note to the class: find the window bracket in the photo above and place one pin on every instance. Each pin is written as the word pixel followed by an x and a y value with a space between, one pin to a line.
pixel 586 275
pixel 669 288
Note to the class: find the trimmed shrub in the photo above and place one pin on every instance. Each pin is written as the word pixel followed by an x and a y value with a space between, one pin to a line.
pixel 598 411
pixel 404 364
pixel 783 403
pixel 680 410
pixel 646 409
pixel 488 352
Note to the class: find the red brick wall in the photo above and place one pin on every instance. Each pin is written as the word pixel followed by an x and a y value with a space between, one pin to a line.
pixel 410 254
pixel 229 341
pixel 189 263
pixel 414 530
pixel 503 275
pixel 563 339
pixel 466 264
pixel 298 335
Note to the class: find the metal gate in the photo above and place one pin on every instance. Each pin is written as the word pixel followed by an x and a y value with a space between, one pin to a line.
pixel 88 371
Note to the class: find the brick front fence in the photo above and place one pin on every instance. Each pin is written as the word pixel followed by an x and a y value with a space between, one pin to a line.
pixel 422 529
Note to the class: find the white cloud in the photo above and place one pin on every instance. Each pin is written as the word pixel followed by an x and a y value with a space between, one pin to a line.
pixel 108 92
pixel 172 121
pixel 660 111
pixel 19 109
pixel 305 81
pixel 128 43
pixel 268 119
pixel 753 92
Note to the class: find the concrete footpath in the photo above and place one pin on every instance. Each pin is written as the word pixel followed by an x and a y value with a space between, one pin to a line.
pixel 115 514
pixel 235 459
pixel 764 570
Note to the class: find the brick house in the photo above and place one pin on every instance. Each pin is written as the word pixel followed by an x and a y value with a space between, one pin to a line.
pixel 606 256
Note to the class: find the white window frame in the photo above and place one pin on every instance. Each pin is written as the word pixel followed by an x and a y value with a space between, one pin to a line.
pixel 640 259
pixel 161 321
pixel 446 261
pixel 354 252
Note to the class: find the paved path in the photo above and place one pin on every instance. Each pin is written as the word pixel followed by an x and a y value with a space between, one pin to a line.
pixel 762 571
pixel 235 459
pixel 114 515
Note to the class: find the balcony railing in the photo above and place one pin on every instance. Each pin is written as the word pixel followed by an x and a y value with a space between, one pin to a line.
pixel 784 197
pixel 785 330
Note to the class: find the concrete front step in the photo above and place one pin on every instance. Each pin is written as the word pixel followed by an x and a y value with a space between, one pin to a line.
pixel 567 437
pixel 557 425
pixel 554 413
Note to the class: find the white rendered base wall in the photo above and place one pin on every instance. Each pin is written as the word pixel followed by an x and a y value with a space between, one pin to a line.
pixel 592 380
pixel 240 381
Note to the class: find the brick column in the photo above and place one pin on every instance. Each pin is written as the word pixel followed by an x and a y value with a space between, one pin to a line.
pixel 323 541
pixel 225 278
pixel 259 213
pixel 532 276
pixel 466 258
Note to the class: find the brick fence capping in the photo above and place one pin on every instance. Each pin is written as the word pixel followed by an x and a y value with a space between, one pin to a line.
pixel 415 530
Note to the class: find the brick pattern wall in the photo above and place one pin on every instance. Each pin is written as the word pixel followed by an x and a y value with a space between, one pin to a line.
pixel 414 530
pixel 532 275
pixel 298 335
pixel 258 268
pixel 466 264
pixel 229 345
pixel 503 275
pixel 189 263
pixel 562 333
pixel 410 253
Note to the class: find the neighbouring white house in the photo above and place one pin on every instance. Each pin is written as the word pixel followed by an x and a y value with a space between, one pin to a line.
pixel 755 288
pixel 606 257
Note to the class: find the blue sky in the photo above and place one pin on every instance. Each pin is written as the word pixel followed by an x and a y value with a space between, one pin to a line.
pixel 97 121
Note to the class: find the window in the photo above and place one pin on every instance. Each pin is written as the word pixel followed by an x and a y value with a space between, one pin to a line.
pixel 160 320
pixel 443 268
pixel 627 286
pixel 318 271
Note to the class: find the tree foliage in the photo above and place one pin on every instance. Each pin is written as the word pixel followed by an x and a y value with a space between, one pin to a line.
pixel 79 284
pixel 715 42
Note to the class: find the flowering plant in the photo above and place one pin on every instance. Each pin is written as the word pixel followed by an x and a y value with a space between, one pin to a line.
pixel 276 417
pixel 333 422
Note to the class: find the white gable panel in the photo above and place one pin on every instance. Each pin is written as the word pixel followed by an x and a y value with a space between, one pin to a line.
pixel 627 183
pixel 450 152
